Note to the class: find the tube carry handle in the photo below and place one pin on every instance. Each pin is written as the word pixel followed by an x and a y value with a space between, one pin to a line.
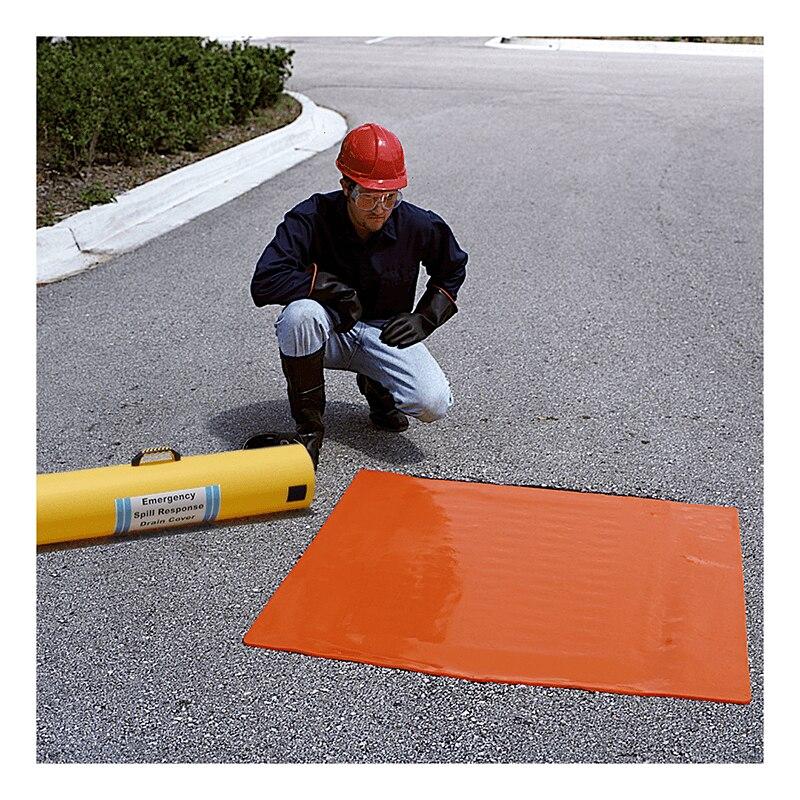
pixel 137 459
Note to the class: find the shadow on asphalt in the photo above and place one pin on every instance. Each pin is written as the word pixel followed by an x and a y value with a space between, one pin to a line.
pixel 347 423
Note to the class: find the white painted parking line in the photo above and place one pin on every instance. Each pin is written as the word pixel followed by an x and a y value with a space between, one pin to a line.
pixel 378 39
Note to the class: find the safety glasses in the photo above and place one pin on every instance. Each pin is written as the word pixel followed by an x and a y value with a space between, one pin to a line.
pixel 368 201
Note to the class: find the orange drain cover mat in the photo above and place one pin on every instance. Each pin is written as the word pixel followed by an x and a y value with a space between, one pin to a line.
pixel 521 585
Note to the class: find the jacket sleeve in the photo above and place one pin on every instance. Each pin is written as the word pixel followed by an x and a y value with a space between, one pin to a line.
pixel 443 259
pixel 281 274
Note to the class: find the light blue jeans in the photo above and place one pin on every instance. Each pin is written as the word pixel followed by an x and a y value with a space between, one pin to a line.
pixel 416 382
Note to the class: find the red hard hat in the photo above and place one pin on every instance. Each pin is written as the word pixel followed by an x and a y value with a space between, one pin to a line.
pixel 372 156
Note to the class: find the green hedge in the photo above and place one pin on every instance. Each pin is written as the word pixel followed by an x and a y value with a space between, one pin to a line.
pixel 128 96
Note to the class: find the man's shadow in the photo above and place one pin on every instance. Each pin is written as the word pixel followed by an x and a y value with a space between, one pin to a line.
pixel 345 422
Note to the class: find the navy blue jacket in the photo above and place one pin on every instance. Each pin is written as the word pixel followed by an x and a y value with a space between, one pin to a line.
pixel 383 269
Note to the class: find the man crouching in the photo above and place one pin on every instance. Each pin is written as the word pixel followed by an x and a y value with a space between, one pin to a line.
pixel 345 265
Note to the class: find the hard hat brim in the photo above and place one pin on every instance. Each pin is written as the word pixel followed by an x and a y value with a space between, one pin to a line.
pixel 400 182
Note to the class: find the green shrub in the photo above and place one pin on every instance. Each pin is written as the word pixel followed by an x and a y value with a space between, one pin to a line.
pixel 97 194
pixel 128 96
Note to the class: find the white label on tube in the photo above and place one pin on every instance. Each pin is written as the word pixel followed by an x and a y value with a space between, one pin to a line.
pixel 166 509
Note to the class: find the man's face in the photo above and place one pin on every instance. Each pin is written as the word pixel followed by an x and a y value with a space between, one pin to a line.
pixel 367 220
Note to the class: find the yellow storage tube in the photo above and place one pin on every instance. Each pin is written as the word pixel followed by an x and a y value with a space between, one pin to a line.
pixel 152 495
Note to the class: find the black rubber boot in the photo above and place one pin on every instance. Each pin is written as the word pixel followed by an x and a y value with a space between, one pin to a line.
pixel 382 410
pixel 275 439
pixel 305 381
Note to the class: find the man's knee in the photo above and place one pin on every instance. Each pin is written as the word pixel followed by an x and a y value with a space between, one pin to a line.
pixel 302 327
pixel 301 313
pixel 431 403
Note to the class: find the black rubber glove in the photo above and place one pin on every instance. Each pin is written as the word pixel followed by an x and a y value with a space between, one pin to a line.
pixel 434 309
pixel 338 297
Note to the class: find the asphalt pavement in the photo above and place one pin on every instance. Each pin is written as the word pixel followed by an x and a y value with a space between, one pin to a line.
pixel 609 340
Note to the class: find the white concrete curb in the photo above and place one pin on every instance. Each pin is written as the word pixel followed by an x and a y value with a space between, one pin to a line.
pixel 92 236
pixel 629 46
